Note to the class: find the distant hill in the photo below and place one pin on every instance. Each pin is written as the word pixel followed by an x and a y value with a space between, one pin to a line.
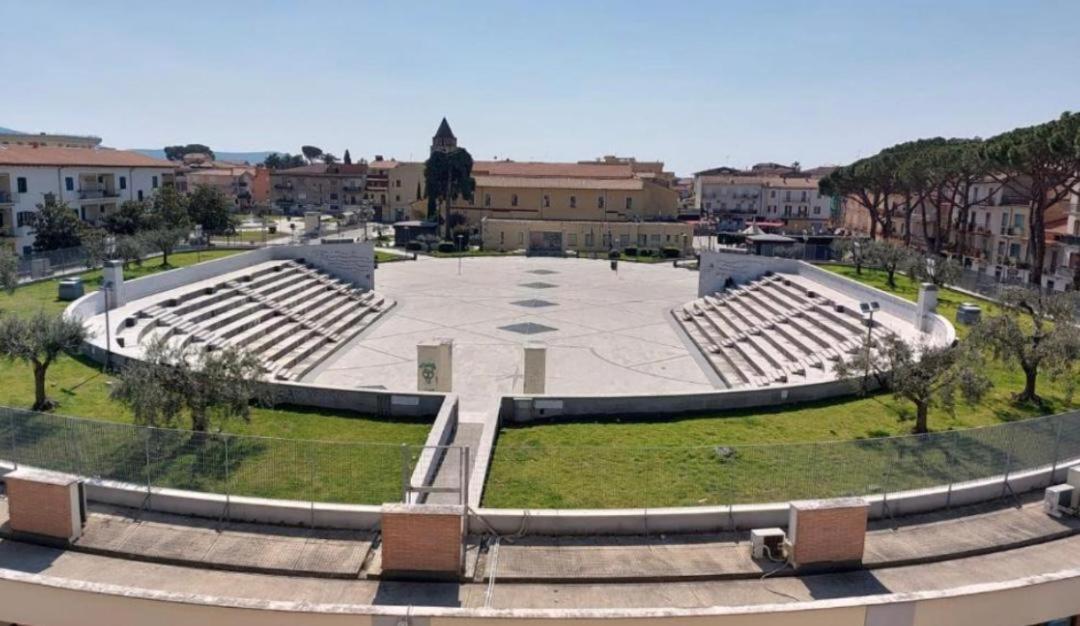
pixel 10 131
pixel 250 157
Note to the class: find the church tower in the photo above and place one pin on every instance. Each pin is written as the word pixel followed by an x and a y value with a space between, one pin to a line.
pixel 444 139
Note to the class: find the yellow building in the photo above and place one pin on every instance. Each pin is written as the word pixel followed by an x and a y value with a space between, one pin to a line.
pixel 557 236
pixel 562 191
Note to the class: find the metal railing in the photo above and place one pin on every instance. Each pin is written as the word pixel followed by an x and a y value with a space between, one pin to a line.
pixel 611 476
pixel 219 463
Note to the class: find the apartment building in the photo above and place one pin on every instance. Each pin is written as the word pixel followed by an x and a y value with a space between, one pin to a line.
pixel 49 139
pixel 584 237
pixel 392 187
pixel 93 181
pixel 319 187
pixel 234 180
pixel 791 203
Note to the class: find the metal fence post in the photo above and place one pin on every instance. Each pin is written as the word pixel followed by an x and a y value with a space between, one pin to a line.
pixel 146 441
pixel 14 440
pixel 228 488
pixel 404 473
pixel 311 470
pixel 1057 449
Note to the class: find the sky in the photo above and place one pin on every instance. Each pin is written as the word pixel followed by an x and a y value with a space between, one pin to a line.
pixel 695 84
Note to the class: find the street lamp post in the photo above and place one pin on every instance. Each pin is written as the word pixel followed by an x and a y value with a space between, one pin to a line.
pixel 106 287
pixel 868 309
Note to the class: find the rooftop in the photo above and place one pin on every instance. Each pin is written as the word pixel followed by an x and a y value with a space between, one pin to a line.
pixel 552 170
pixel 323 169
pixel 627 184
pixel 28 155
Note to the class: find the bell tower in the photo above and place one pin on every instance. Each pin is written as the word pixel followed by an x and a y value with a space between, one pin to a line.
pixel 444 139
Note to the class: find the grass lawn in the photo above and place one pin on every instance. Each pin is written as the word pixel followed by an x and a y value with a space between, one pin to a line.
pixel 719 459
pixel 472 252
pixel 342 473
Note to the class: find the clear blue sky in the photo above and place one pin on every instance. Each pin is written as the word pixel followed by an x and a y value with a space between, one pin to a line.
pixel 696 84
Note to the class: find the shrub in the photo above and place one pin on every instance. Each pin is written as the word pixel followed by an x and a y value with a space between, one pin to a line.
pixel 446 246
pixel 671 253
pixel 630 251
pixel 614 254
pixel 414 246
pixel 646 252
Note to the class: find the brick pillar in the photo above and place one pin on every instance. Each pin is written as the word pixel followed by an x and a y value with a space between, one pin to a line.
pixel 827 534
pixel 45 504
pixel 423 541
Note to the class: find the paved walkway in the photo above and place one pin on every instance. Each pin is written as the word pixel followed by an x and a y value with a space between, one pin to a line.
pixel 171 539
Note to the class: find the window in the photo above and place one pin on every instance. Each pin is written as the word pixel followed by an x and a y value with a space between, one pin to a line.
pixel 333 196
pixel 69 183
pixel 600 202
pixel 24 218
pixel 571 239
pixel 513 200
pixel 772 193
pixel 20 184
pixel 589 240
pixel 629 203
pixel 487 199
pixel 655 238
pixel 153 182
pixel 397 183
pixel 1014 250
pixel 1018 221
pixel 397 198
pixel 573 202
pixel 547 201
pixel 502 237
pixel 817 210
pixel 123 182
pixel 140 195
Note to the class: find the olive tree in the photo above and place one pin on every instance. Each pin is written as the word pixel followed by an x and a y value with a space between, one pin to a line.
pixel 38 340
pixel 1036 331
pixel 888 256
pixel 207 387
pixel 925 375
pixel 850 248
pixel 935 269
pixel 9 270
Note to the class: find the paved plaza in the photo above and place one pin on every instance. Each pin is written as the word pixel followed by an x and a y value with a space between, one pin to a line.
pixel 606 332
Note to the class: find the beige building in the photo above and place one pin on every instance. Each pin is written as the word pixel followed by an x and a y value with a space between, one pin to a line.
pixel 234 180
pixel 393 186
pixel 562 191
pixel 558 236
pixel 792 202
pixel 50 140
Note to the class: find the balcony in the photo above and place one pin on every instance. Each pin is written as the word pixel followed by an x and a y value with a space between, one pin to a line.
pixel 352 188
pixel 1069 240
pixel 1015 199
pixel 97 193
pixel 6 197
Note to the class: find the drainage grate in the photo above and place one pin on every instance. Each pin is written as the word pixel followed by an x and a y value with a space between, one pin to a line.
pixel 534 303
pixel 528 328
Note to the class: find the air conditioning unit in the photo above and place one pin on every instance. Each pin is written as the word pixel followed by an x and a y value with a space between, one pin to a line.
pixel 1057 500
pixel 767 543
pixel 1072 478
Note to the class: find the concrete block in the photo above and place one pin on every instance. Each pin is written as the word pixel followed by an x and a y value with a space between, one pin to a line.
pixel 434 365
pixel 423 541
pixel 71 289
pixel 926 307
pixel 826 534
pixel 312 222
pixel 45 504
pixel 535 369
pixel 39 268
pixel 113 287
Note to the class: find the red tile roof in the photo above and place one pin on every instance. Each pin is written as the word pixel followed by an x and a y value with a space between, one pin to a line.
pixel 525 182
pixel 552 170
pixel 52 156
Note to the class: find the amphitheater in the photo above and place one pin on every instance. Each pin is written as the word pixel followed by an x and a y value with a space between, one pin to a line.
pixel 945 529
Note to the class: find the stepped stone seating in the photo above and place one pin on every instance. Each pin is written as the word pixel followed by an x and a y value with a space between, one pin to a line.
pixel 289 314
pixel 773 330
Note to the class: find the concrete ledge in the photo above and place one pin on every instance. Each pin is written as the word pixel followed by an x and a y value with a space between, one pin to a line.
pixel 440 435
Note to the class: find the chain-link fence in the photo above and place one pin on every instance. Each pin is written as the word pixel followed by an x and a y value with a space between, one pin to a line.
pixel 543 476
pixel 238 465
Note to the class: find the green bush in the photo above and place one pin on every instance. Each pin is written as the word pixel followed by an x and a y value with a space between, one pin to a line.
pixel 446 247
pixel 671 253
pixel 630 251
pixel 614 254
pixel 414 246
pixel 646 252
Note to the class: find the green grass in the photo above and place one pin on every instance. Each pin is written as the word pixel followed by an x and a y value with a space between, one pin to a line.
pixel 674 462
pixel 472 252
pixel 341 472
pixel 390 257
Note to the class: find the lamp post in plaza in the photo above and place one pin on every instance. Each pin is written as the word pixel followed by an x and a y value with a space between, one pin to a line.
pixel 868 309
